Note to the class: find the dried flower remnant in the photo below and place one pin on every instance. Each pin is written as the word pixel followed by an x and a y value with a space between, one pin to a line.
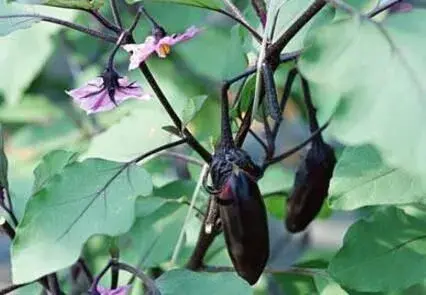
pixel 159 42
pixel 106 92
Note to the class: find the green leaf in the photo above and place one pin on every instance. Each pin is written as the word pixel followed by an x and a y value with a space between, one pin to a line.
pixel 175 190
pixel 192 107
pixel 276 179
pixel 18 56
pixel 326 286
pixel 87 198
pixel 133 135
pixel 52 164
pixel 32 109
pixel 74 4
pixel 182 281
pixel 9 25
pixel 384 252
pixel 152 238
pixel 209 4
pixel 377 70
pixel 362 179
pixel 4 183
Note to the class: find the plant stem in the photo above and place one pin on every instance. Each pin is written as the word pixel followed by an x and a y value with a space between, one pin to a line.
pixel 103 21
pixel 12 288
pixel 175 118
pixel 275 49
pixel 382 8
pixel 52 280
pixel 85 269
pixel 243 23
pixel 148 282
pixel 64 23
pixel 116 13
pixel 295 148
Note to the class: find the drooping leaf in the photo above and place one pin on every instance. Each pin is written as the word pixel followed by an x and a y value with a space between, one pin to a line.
pixel 182 281
pixel 362 179
pixel 87 198
pixel 383 252
pixel 52 164
pixel 377 69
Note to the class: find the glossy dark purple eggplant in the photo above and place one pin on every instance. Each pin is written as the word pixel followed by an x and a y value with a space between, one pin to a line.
pixel 310 187
pixel 245 226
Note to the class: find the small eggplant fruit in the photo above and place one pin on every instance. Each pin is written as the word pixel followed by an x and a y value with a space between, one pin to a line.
pixel 310 186
pixel 242 213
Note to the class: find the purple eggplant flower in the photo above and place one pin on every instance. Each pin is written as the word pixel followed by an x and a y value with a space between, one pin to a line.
pixel 119 291
pixel 106 92
pixel 159 43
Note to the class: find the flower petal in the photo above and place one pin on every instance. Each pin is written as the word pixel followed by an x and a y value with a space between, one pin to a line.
pixel 94 98
pixel 190 33
pixel 140 52
pixel 91 87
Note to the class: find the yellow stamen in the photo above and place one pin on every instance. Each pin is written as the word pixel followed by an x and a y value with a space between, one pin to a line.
pixel 164 50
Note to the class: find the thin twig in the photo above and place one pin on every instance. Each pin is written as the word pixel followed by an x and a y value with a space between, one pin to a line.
pixel 85 270
pixel 296 148
pixel 382 8
pixel 183 157
pixel 116 13
pixel 148 282
pixel 175 118
pixel 64 23
pixel 53 282
pixel 103 21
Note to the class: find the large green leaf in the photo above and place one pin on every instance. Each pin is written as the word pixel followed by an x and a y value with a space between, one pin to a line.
pixel 9 25
pixel 87 198
pixel 362 179
pixel 153 237
pixel 377 69
pixel 384 252
pixel 133 135
pixel 17 53
pixel 182 281
pixel 52 164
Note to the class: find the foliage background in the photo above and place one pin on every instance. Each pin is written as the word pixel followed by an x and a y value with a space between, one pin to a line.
pixel 373 87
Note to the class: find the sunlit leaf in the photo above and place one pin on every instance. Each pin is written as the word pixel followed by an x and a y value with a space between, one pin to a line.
pixel 190 283
pixel 87 198
pixel 362 179
pixel 384 252
pixel 377 69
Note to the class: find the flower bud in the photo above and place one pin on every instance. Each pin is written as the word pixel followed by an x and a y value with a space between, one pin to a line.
pixel 310 187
